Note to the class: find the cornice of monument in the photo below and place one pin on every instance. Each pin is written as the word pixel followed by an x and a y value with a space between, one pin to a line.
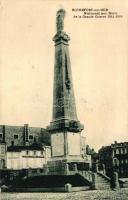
pixel 65 124
pixel 61 35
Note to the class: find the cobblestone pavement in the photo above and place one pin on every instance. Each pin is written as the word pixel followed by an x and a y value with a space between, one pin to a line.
pixel 121 194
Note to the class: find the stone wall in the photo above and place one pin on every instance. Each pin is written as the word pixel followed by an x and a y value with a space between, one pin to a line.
pixel 16 135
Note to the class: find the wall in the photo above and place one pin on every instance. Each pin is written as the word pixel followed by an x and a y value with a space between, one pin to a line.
pixel 34 134
pixel 25 159
pixel 2 155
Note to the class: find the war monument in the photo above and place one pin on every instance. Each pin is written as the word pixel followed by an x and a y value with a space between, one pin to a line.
pixel 69 168
pixel 65 128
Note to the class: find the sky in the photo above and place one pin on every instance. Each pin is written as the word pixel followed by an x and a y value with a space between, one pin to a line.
pixel 98 53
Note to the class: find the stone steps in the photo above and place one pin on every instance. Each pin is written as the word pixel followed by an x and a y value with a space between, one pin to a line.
pixel 102 183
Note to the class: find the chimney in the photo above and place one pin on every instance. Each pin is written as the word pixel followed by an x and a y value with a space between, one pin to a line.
pixel 3 133
pixel 26 132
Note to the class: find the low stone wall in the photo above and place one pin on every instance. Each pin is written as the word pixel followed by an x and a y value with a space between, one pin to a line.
pixel 123 184
pixel 56 189
pixel 61 189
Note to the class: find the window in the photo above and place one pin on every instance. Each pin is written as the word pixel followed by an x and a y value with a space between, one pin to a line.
pixel 2 150
pixel 121 151
pixel 42 153
pixel 31 137
pixel 126 150
pixel 27 152
pixel 15 136
pixel 116 162
pixel 117 151
pixel 34 171
pixel 1 135
pixel 41 170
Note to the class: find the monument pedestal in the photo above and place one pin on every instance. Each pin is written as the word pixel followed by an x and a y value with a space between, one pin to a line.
pixel 66 153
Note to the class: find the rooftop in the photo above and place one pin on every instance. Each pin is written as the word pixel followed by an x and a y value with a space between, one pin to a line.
pixel 35 146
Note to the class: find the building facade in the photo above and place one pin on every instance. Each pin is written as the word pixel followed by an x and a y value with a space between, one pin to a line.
pixel 25 157
pixel 115 158
pixel 18 149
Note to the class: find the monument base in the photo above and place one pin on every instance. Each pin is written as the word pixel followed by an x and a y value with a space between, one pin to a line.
pixel 56 189
pixel 50 183
pixel 67 165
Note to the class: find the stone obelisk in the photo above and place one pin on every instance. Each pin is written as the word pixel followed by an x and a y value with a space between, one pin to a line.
pixel 65 128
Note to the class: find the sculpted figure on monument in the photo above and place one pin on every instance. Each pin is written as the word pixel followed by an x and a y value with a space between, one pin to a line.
pixel 60 26
pixel 60 20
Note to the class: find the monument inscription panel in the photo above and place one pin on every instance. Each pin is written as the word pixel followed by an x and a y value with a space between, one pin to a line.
pixel 73 143
pixel 57 144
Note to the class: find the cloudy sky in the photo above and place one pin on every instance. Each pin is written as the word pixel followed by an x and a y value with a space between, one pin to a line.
pixel 98 52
